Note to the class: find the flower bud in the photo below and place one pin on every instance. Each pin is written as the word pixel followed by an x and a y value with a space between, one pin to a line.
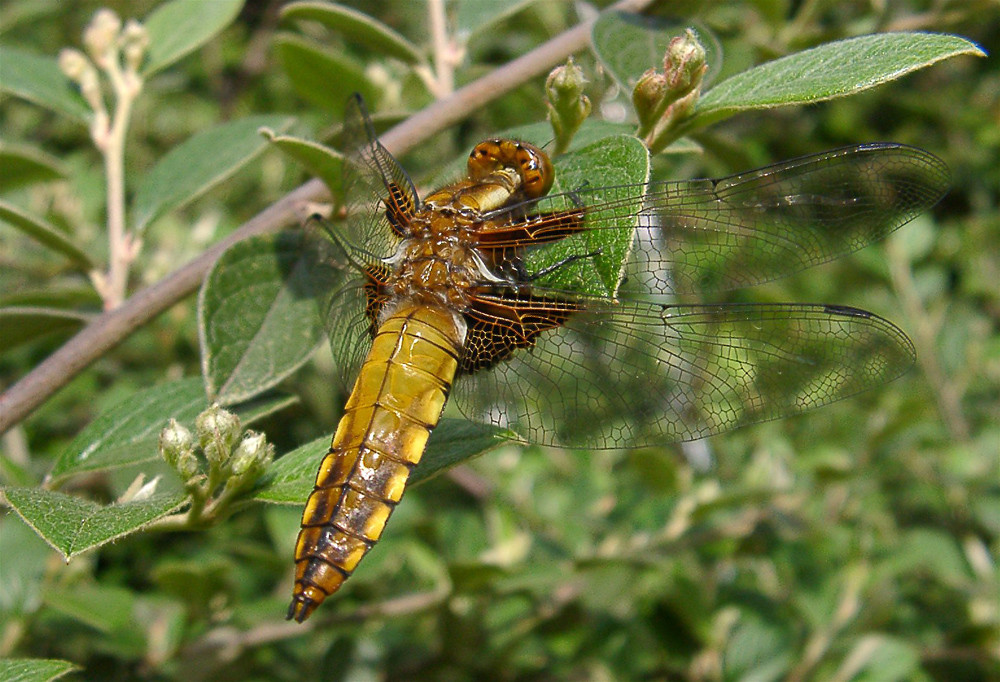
pixel 217 431
pixel 90 88
pixel 175 441
pixel 648 97
pixel 187 466
pixel 252 451
pixel 684 64
pixel 74 63
pixel 101 35
pixel 568 106
pixel 134 41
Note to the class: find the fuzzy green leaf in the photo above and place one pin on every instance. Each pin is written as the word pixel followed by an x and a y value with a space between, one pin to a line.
pixel 831 70
pixel 322 77
pixel 196 165
pixel 476 16
pixel 34 669
pixel 37 78
pixel 129 432
pixel 179 27
pixel 617 161
pixel 45 233
pixel 21 165
pixel 23 324
pixel 72 525
pixel 257 319
pixel 323 162
pixel 357 27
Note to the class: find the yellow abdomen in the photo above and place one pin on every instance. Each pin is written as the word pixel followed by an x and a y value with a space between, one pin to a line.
pixel 396 402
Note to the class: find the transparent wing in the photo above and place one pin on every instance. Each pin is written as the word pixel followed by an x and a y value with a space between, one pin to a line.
pixel 702 236
pixel 337 288
pixel 371 177
pixel 634 374
pixel 343 249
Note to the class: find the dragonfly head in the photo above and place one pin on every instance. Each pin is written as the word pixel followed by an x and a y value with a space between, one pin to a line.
pixel 530 162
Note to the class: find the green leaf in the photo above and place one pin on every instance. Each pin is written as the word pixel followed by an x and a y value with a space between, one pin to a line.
pixel 72 525
pixel 933 551
pixel 879 658
pixel 179 27
pixel 357 27
pixel 476 16
pixel 24 557
pixel 45 233
pixel 628 45
pixel 23 324
pixel 199 163
pixel 617 161
pixel 129 432
pixel 38 79
pixel 61 295
pixel 34 669
pixel 322 77
pixel 321 161
pixel 827 71
pixel 291 478
pixel 256 317
pixel 23 165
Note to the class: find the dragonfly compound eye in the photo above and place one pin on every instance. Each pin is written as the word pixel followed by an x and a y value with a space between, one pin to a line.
pixel 530 162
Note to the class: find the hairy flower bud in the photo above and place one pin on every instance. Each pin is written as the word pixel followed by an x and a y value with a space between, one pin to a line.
pixel 101 35
pixel 217 431
pixel 648 97
pixel 134 41
pixel 74 63
pixel 568 106
pixel 684 64
pixel 175 442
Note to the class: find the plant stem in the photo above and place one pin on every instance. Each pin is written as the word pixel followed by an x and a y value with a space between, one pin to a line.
pixel 444 50
pixel 121 252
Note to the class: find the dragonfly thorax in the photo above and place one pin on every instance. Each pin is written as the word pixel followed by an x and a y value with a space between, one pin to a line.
pixel 438 269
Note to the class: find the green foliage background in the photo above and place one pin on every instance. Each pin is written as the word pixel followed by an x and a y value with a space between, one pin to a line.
pixel 859 542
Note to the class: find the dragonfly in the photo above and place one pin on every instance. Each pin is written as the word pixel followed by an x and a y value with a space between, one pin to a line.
pixel 563 315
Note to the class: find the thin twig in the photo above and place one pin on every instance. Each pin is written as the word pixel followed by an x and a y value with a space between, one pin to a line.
pixel 114 326
pixel 444 50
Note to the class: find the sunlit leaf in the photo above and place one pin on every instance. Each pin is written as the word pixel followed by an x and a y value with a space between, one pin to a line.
pixel 34 669
pixel 45 233
pixel 196 165
pixel 129 432
pixel 179 27
pixel 357 27
pixel 828 71
pixel 619 160
pixel 321 161
pixel 320 76
pixel 257 320
pixel 37 78
pixel 72 525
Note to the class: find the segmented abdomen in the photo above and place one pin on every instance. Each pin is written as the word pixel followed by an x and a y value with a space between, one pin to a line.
pixel 396 402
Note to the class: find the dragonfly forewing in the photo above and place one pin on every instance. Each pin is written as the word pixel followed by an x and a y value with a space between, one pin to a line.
pixel 703 236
